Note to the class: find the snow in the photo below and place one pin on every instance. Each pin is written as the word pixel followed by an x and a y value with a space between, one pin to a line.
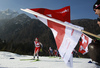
pixel 45 62
pixel 8 14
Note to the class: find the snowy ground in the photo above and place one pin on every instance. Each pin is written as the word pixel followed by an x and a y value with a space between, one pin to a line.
pixel 45 62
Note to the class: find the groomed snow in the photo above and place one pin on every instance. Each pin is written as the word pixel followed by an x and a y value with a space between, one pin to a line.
pixel 45 62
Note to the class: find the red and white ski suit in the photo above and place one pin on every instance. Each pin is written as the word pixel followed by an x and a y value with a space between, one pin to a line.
pixel 37 46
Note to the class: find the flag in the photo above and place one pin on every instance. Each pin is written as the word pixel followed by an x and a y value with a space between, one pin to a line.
pixel 57 29
pixel 85 41
pixel 65 12
pixel 66 38
pixel 70 61
pixel 62 14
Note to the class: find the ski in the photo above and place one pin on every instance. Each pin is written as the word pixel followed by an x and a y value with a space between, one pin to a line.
pixel 30 59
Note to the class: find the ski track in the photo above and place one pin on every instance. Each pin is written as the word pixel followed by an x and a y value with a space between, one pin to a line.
pixel 45 62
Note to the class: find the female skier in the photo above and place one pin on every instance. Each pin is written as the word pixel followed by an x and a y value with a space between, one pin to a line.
pixel 38 45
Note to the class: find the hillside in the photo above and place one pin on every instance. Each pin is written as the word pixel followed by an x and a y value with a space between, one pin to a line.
pixel 89 25
pixel 20 33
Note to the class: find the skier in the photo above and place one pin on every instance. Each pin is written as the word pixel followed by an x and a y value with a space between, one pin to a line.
pixel 75 53
pixel 50 51
pixel 55 53
pixel 38 45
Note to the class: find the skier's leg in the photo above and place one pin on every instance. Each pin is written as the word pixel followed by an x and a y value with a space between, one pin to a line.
pixel 37 55
pixel 34 56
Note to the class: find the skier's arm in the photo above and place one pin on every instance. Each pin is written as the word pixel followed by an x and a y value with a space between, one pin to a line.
pixel 41 45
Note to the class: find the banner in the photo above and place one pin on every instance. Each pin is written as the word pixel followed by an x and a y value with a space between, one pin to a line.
pixel 85 41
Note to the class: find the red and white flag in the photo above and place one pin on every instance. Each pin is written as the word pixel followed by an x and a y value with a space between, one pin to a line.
pixel 85 41
pixel 65 12
pixel 66 38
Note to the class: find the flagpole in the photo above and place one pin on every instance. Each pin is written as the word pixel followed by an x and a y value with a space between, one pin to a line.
pixel 51 19
pixel 90 34
pixel 59 22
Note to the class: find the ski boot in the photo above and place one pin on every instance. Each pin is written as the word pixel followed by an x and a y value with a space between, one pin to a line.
pixel 34 58
pixel 37 58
